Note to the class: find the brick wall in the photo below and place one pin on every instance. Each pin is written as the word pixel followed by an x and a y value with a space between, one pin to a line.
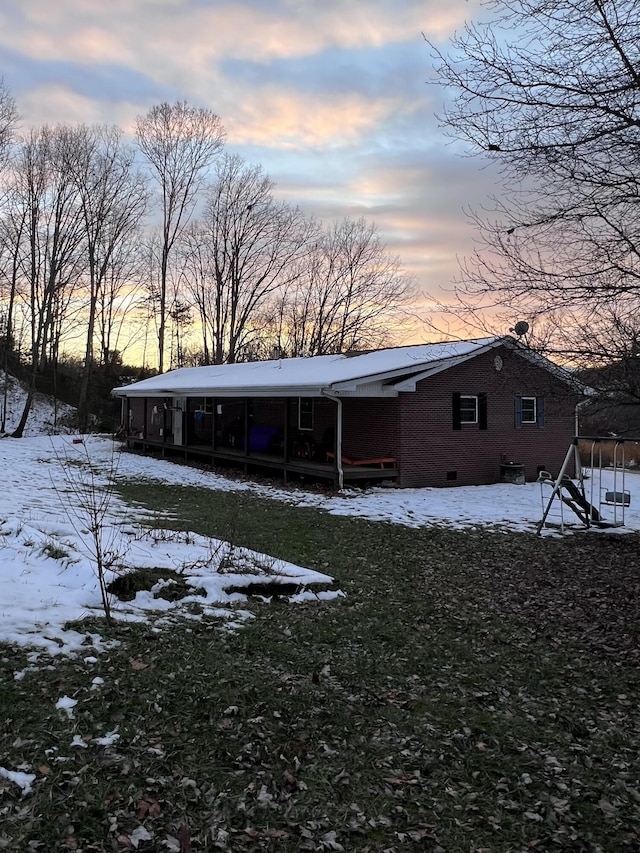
pixel 432 453
pixel 370 427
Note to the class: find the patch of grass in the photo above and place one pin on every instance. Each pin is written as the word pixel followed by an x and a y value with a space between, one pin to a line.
pixel 474 690
pixel 127 585
pixel 55 551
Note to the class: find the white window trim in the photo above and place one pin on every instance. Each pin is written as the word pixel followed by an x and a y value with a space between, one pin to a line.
pixel 206 407
pixel 534 420
pixel 473 397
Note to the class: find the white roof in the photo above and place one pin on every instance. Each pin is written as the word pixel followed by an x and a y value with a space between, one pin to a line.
pixel 372 373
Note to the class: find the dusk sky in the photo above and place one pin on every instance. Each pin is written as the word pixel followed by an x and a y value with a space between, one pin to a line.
pixel 330 97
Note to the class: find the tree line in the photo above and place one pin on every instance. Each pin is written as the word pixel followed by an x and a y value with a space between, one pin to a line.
pixel 548 91
pixel 171 246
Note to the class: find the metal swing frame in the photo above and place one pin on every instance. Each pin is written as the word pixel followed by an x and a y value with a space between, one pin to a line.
pixel 588 508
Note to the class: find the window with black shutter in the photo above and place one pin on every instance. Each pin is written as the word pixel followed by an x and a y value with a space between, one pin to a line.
pixel 529 410
pixel 469 409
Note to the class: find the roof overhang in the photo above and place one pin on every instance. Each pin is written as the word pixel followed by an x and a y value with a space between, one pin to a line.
pixel 240 391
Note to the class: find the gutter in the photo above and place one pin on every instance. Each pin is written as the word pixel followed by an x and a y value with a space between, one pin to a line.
pixel 339 467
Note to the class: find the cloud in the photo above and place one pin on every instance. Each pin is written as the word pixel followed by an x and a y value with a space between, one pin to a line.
pixel 280 119
pixel 329 97
pixel 122 31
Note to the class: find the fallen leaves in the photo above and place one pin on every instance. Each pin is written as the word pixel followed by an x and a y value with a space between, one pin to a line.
pixel 474 691
pixel 148 806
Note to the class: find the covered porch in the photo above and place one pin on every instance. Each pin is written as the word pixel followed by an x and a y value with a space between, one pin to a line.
pixel 297 437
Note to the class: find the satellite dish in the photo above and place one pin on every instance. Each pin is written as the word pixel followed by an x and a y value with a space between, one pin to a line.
pixel 521 328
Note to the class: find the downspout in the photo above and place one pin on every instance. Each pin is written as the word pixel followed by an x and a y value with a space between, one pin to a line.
pixel 339 467
pixel 577 462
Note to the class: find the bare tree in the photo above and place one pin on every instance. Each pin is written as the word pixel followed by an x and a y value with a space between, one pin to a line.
pixel 253 245
pixel 196 263
pixel 86 499
pixel 119 299
pixel 50 260
pixel 112 196
pixel 8 241
pixel 8 119
pixel 180 142
pixel 353 295
pixel 549 91
pixel 11 237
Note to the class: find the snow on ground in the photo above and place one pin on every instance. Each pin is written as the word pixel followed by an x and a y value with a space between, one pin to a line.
pixel 22 780
pixel 44 418
pixel 509 507
pixel 47 555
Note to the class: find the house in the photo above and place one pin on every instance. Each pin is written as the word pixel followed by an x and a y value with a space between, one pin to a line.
pixel 443 414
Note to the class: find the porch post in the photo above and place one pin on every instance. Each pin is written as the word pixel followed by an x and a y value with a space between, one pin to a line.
pixel 339 443
pixel 285 431
pixel 246 426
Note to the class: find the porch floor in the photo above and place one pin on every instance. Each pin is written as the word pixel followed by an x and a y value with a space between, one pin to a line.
pixel 256 461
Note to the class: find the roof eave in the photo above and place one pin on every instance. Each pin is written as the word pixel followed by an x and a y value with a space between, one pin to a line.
pixel 238 391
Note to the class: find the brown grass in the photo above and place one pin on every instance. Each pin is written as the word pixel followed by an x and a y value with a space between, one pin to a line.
pixel 627 452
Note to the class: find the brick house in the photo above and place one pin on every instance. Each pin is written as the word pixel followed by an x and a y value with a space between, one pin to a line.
pixel 454 413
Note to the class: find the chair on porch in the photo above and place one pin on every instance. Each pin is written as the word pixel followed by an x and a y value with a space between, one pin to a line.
pixel 370 462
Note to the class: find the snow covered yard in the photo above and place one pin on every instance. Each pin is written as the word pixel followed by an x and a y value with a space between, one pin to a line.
pixel 47 559
pixel 47 565
pixel 48 556
pixel 505 506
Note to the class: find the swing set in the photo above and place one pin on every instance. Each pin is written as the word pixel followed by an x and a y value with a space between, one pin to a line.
pixel 600 502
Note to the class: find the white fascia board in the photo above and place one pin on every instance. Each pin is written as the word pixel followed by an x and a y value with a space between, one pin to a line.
pixel 353 384
pixel 292 391
pixel 356 392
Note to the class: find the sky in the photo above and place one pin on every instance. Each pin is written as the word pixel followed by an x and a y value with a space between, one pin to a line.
pixel 332 98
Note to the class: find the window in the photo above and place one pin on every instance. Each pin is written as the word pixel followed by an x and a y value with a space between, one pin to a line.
pixel 468 410
pixel 205 405
pixel 305 413
pixel 529 410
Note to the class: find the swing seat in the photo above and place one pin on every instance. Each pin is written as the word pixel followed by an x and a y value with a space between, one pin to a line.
pixel 617 498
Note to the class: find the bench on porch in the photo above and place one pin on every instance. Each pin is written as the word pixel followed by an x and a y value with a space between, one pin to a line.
pixel 373 462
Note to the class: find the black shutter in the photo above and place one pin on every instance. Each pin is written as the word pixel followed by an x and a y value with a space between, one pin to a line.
pixel 482 411
pixel 518 412
pixel 455 405
pixel 540 411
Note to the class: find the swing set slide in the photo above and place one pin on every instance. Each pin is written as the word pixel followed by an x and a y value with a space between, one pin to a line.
pixel 571 495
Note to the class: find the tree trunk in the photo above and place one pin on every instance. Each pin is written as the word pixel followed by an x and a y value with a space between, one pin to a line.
pixel 19 430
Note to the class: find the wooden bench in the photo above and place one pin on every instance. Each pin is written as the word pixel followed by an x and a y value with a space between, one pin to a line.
pixel 374 462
